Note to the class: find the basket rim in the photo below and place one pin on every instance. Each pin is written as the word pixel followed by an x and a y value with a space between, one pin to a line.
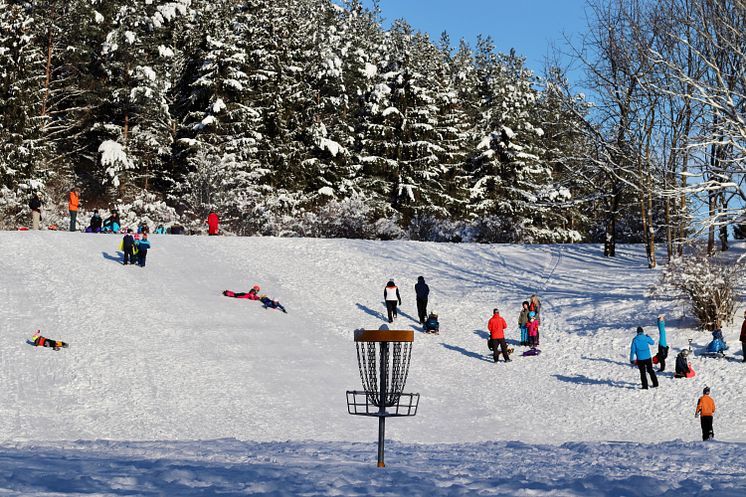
pixel 384 335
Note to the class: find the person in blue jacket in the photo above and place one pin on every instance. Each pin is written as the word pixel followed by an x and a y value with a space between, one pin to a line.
pixel 143 245
pixel 640 349
pixel 662 344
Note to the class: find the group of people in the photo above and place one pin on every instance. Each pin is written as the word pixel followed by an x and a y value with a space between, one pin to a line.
pixel 392 298
pixel 135 248
pixel 253 294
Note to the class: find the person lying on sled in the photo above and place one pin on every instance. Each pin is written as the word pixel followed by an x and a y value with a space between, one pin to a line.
pixel 252 294
pixel 40 341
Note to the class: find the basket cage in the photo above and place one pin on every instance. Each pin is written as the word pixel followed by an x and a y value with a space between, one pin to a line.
pixel 395 358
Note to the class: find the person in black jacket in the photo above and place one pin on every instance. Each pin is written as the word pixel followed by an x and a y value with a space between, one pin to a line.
pixel 96 222
pixel 423 292
pixel 128 244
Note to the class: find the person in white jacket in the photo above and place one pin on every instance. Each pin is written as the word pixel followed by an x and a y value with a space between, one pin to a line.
pixel 391 296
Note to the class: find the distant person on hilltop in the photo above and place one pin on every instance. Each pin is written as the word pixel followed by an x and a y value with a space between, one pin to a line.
pixel 496 326
pixel 212 223
pixel 662 344
pixel 96 222
pixel 423 292
pixel 391 296
pixel 72 206
pixel 35 205
pixel 640 349
pixel 705 411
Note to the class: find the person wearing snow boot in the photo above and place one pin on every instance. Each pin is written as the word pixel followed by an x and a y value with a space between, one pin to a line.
pixel 39 341
pixel 662 354
pixel 423 292
pixel 532 328
pixel 496 326
pixel 271 304
pixel 252 294
pixel 128 247
pixel 717 346
pixel 431 324
pixel 522 320
pixel 683 367
pixel 705 411
pixel 391 296
pixel 640 350
pixel 143 245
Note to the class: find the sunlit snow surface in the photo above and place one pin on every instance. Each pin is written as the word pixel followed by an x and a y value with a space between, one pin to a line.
pixel 160 359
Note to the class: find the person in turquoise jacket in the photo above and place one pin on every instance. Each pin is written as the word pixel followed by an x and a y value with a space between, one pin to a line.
pixel 662 344
pixel 640 349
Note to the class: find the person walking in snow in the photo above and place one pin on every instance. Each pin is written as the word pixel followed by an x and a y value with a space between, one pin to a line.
pixel 423 292
pixel 705 410
pixel 128 247
pixel 640 349
pixel 522 320
pixel 391 296
pixel 72 205
pixel 212 223
pixel 662 344
pixel 743 336
pixel 496 325
pixel 35 205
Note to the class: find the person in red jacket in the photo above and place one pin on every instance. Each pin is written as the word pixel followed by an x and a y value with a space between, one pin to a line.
pixel 743 336
pixel 212 223
pixel 497 326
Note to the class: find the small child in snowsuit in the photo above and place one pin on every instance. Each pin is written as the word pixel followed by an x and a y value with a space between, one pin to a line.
pixel 40 341
pixel 143 245
pixel 128 246
pixel 683 368
pixel 532 327
pixel 271 304
pixel 522 320
pixel 431 324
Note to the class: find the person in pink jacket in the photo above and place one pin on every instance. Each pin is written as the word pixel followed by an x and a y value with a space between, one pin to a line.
pixel 252 294
pixel 533 330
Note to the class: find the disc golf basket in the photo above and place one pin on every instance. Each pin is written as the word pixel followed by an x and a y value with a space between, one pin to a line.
pixel 383 359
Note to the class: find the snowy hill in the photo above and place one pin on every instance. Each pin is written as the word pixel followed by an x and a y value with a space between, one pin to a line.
pixel 158 355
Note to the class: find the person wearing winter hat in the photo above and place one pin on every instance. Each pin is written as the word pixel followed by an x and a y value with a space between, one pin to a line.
pixel 640 350
pixel 391 296
pixel 705 410
pixel 532 328
pixel 497 326
pixel 423 292
pixel 742 338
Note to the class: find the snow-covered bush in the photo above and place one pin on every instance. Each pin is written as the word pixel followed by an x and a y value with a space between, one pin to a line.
pixel 707 284
pixel 348 218
pixel 428 228
pixel 148 209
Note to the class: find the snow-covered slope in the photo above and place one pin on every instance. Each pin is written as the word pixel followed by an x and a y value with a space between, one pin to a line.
pixel 158 354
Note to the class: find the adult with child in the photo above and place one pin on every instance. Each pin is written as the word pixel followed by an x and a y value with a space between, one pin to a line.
pixel 72 206
pixel 496 326
pixel 423 292
pixel 662 344
pixel 391 296
pixel 705 411
pixel 640 350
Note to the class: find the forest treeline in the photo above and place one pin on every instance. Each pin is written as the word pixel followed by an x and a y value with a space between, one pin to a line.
pixel 308 118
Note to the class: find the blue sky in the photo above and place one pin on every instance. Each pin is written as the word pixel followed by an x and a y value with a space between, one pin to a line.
pixel 529 26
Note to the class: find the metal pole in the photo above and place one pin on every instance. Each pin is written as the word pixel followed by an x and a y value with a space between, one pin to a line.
pixel 382 401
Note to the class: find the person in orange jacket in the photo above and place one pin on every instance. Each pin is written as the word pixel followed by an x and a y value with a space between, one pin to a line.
pixel 72 206
pixel 212 224
pixel 497 326
pixel 705 410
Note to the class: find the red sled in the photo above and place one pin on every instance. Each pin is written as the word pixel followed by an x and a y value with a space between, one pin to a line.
pixel 23 228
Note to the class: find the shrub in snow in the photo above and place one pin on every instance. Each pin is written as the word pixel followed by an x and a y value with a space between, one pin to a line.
pixel 433 229
pixel 707 284
pixel 148 209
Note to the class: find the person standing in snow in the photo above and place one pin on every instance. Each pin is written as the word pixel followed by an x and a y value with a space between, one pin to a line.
pixel 496 325
pixel 534 304
pixel 72 206
pixel 705 411
pixel 143 245
pixel 128 247
pixel 522 320
pixel 391 296
pixel 640 349
pixel 662 344
pixel 212 223
pixel 35 205
pixel 743 336
pixel 423 292
pixel 532 329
